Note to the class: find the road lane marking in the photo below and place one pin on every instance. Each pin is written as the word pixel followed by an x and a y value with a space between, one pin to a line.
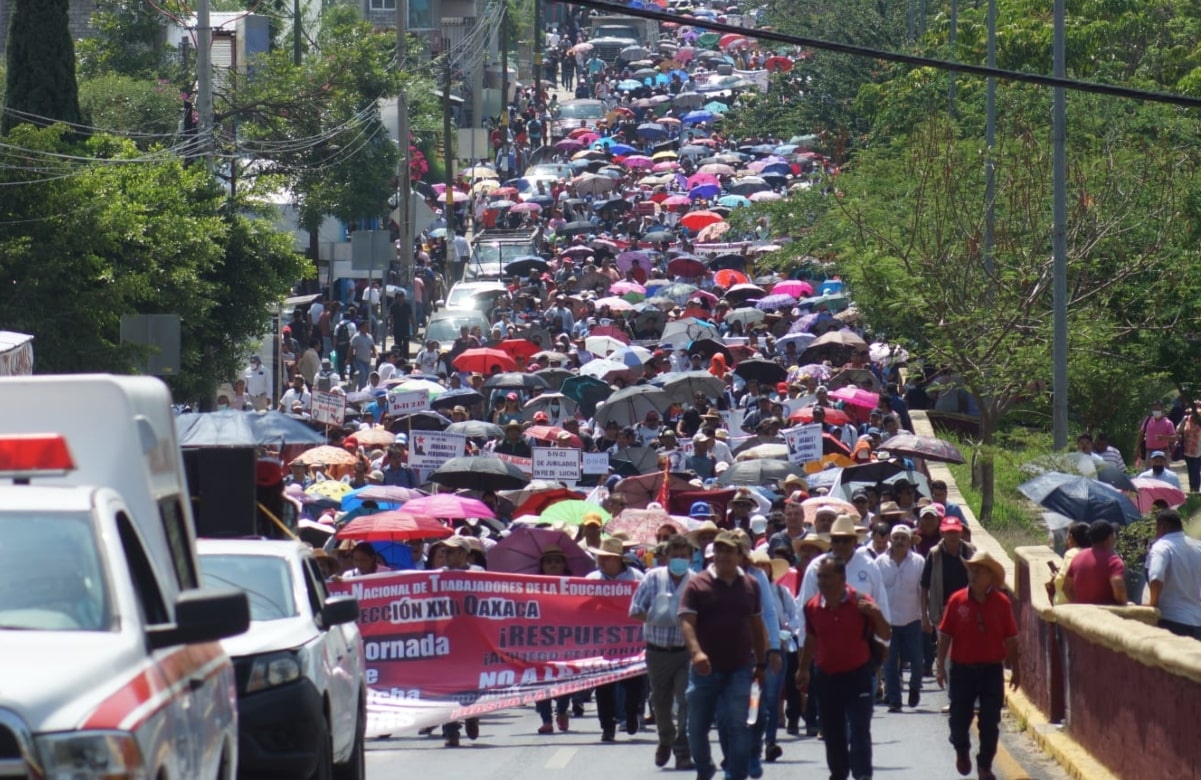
pixel 561 758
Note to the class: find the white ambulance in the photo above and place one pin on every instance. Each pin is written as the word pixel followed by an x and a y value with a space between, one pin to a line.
pixel 109 661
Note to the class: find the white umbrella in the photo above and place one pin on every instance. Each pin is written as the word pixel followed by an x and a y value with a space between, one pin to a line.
pixel 603 345
pixel 746 316
pixel 540 403
pixel 603 369
pixel 683 332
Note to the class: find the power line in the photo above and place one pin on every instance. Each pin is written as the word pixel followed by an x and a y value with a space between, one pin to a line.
pixel 1038 79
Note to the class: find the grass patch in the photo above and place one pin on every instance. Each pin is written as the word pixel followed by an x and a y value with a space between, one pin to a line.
pixel 1015 519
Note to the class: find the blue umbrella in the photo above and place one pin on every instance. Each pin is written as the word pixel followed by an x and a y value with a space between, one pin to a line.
pixel 351 501
pixel 696 117
pixel 621 149
pixel 704 191
pixel 662 79
pixel 1080 498
pixel 781 168
pixel 733 201
pixel 716 107
pixel 652 130
pixel 775 302
pixel 242 429
pixel 606 142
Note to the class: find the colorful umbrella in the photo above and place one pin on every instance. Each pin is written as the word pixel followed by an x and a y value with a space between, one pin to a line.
pixel 328 488
pixel 855 396
pixel 572 512
pixel 485 361
pixel 1151 490
pixel 521 552
pixel 447 506
pixel 728 277
pixel 537 502
pixel 325 455
pixel 642 525
pixel 794 287
pixel 395 525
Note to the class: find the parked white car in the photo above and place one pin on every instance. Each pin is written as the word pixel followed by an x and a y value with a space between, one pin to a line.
pixel 302 695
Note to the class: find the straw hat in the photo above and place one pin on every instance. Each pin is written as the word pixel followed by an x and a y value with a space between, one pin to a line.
pixel 983 558
pixel 820 541
pixel 611 547
pixel 845 526
pixel 706 527
pixel 779 566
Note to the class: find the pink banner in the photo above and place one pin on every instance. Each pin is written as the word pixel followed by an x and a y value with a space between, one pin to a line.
pixel 447 645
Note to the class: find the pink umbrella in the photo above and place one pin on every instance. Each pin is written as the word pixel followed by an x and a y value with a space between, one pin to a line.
pixel 578 252
pixel 611 331
pixel 527 205
pixel 697 179
pixel 641 525
pixel 439 187
pixel 684 54
pixel 638 161
pixel 713 232
pixel 449 506
pixel 521 552
pixel 666 165
pixel 678 201
pixel 614 304
pixel 856 397
pixel 389 493
pixel 1150 490
pixel 623 287
pixel 794 287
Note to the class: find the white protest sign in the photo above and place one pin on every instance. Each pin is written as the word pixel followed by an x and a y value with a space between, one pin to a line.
pixel 329 408
pixel 804 443
pixel 430 449
pixel 733 419
pixel 595 463
pixel 408 401
pixel 561 464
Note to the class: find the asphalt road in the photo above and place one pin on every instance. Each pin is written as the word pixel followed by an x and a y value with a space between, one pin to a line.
pixel 911 745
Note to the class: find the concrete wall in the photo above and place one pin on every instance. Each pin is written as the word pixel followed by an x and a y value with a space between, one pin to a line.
pixel 1126 692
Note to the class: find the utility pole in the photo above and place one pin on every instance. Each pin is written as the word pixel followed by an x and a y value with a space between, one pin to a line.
pixel 449 157
pixel 539 37
pixel 404 189
pixel 204 81
pixel 952 35
pixel 990 143
pixel 1059 238
pixel 504 71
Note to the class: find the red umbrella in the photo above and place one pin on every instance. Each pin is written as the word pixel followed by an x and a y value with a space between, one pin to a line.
pixel 728 277
pixel 779 63
pixel 551 433
pixel 611 331
pixel 483 360
pixel 695 220
pixel 394 526
pixel 833 416
pixel 520 349
pixel 448 506
pixel 537 503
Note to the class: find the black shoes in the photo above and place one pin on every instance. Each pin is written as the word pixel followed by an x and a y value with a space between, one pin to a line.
pixel 771 752
pixel 608 734
pixel 915 698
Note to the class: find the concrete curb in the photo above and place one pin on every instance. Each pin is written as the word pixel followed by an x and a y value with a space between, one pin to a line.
pixel 1075 760
pixel 1050 738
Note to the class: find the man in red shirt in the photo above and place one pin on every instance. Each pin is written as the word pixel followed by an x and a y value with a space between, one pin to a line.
pixel 839 623
pixel 1097 575
pixel 979 633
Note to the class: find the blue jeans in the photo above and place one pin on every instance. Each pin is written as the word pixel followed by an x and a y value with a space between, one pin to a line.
pixel 906 643
pixel 720 696
pixel 846 701
pixel 364 369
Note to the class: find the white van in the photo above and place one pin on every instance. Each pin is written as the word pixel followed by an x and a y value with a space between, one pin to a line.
pixel 111 664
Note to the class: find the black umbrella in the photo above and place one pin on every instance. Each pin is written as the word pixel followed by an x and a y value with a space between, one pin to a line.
pixel 763 371
pixel 464 396
pixel 555 377
pixel 523 265
pixel 242 429
pixel 476 429
pixel 418 421
pixel 479 473
pixel 515 381
pixel 611 207
pixel 659 236
pixel 708 348
pixel 682 386
pixel 735 262
pixel 871 473
pixel 1112 475
pixel 586 391
pixel 575 228
pixel 924 447
pixel 1080 498
pixel 761 471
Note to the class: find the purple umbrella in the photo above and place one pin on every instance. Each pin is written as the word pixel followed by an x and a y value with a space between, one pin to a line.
pixel 821 372
pixel 704 191
pixel 803 323
pixel 625 260
pixel 521 552
pixel 772 302
pixel 569 146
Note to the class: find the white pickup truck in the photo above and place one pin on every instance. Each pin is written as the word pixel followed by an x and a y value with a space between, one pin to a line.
pixel 302 695
pixel 109 661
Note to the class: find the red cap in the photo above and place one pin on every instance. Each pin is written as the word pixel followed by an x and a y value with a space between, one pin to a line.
pixel 541 417
pixel 951 524
pixel 782 387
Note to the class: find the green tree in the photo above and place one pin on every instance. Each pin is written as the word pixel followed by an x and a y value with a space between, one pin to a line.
pixel 128 39
pixel 147 111
pixel 83 244
pixel 40 83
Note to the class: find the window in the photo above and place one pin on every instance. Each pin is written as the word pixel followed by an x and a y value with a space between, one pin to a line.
pixel 383 5
pixel 179 541
pixel 150 598
pixel 266 580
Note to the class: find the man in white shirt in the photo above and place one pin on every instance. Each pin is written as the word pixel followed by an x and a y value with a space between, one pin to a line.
pixel 1174 576
pixel 258 383
pixel 901 571
pixel 297 393
pixel 1159 470
pixel 648 430
pixel 862 574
